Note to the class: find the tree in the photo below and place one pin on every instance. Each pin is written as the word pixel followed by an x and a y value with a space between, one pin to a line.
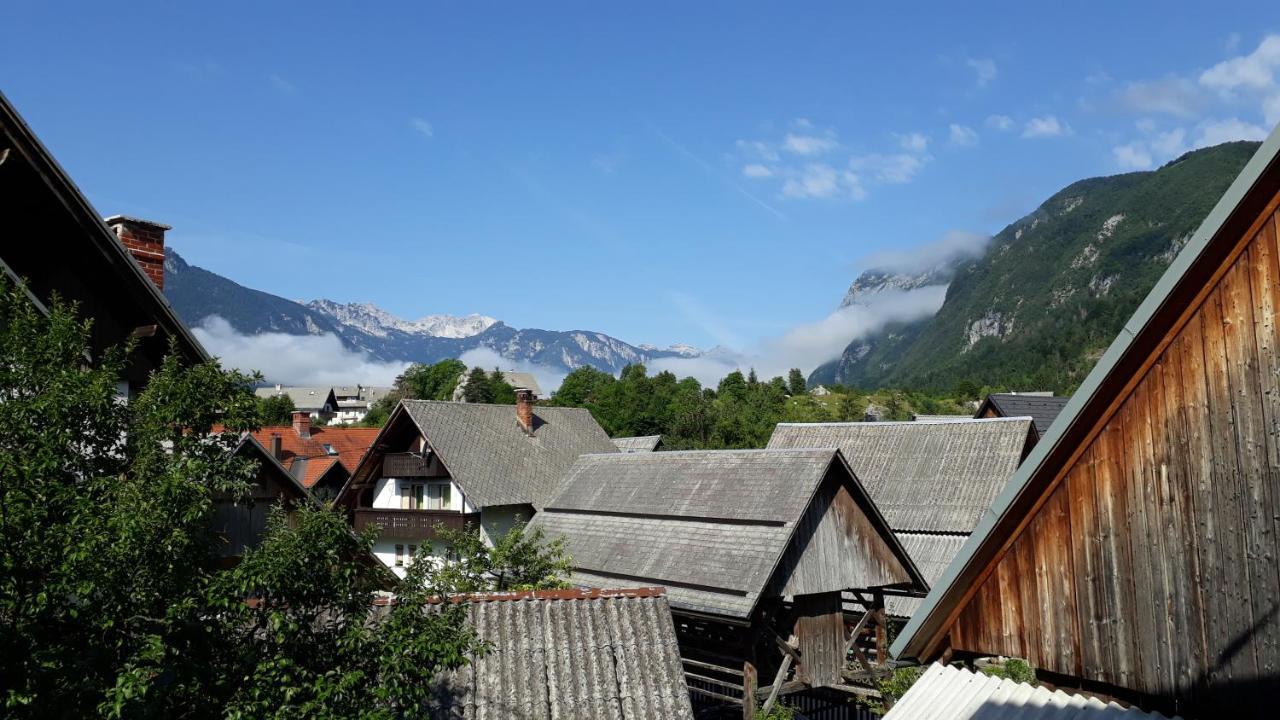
pixel 477 389
pixel 430 382
pixel 275 410
pixel 112 600
pixel 796 385
pixel 521 559
pixel 581 387
pixel 503 393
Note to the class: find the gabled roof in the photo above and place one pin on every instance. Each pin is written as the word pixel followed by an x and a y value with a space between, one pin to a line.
pixel 569 654
pixel 642 443
pixel 94 260
pixel 1244 201
pixel 718 528
pixel 308 458
pixel 489 455
pixel 1040 408
pixel 936 477
pixel 304 398
pixel 950 693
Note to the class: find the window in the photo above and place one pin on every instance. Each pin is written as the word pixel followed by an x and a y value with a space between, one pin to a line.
pixel 413 552
pixel 399 556
pixel 328 449
pixel 435 496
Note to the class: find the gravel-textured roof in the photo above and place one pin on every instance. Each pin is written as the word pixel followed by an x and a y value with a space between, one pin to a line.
pixel 494 460
pixel 570 655
pixel 950 693
pixel 1043 410
pixel 642 443
pixel 710 526
pixel 935 477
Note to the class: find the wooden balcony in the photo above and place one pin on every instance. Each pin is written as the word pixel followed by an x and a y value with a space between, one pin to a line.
pixel 414 523
pixel 403 465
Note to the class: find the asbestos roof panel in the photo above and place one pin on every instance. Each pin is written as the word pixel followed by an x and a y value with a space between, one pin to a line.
pixel 572 659
pixel 950 693
pixel 931 554
pixel 494 460
pixel 643 443
pixel 924 476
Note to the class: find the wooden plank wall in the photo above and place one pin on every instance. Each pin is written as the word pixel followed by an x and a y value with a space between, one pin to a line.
pixel 1153 565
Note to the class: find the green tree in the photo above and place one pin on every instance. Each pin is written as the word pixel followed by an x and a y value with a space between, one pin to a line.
pixel 796 385
pixel 275 410
pixel 112 600
pixel 477 389
pixel 430 382
pixel 503 393
pixel 581 387
pixel 521 559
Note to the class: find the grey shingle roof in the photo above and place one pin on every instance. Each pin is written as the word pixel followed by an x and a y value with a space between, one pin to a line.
pixel 710 526
pixel 1042 410
pixel 950 693
pixel 494 460
pixel 570 655
pixel 642 443
pixel 925 476
pixel 304 398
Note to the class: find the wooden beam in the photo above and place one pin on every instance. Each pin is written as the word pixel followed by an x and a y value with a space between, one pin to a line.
pixel 748 691
pixel 713 681
pixel 718 696
pixel 709 666
pixel 777 685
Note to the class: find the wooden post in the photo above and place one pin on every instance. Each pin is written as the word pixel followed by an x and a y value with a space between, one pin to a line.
pixel 748 691
pixel 778 680
pixel 882 658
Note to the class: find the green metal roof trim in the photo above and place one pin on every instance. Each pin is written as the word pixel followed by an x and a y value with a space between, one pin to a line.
pixel 940 597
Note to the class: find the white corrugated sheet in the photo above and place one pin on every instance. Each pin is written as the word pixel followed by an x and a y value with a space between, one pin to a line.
pixel 950 693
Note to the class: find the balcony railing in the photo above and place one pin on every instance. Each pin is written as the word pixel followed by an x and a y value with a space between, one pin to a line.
pixel 408 465
pixel 414 523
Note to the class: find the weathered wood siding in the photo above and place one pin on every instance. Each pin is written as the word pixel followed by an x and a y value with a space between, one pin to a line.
pixel 820 632
pixel 1152 564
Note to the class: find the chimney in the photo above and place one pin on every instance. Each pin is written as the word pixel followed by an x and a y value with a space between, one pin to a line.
pixel 275 446
pixel 524 409
pixel 302 423
pixel 145 242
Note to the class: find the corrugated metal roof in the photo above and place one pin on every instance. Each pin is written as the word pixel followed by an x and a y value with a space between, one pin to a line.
pixel 642 443
pixel 1042 409
pixel 570 656
pixel 710 526
pixel 494 460
pixel 924 476
pixel 950 693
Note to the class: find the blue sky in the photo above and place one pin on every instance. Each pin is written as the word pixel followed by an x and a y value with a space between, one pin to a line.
pixel 668 172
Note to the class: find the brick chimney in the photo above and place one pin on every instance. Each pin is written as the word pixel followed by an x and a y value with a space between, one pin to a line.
pixel 276 452
pixel 302 423
pixel 524 409
pixel 145 242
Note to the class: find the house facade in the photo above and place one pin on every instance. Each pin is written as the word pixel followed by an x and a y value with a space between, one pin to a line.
pixel 463 466
pixel 319 403
pixel 323 457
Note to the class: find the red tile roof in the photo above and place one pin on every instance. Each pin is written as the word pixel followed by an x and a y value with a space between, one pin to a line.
pixel 349 443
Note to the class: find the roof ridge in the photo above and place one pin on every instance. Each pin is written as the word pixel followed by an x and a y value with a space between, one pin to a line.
pixel 558 594
pixel 721 451
pixel 882 423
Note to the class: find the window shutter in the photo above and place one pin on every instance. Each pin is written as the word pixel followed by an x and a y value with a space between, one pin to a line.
pixel 399 556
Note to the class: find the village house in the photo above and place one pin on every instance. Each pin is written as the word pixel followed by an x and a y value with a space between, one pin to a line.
pixel 933 481
pixel 1135 553
pixel 460 465
pixel 642 443
pixel 354 401
pixel 514 378
pixel 754 548
pixel 59 244
pixel 1042 407
pixel 572 654
pixel 318 402
pixel 323 457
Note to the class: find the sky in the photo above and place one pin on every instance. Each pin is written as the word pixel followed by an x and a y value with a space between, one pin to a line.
pixel 712 173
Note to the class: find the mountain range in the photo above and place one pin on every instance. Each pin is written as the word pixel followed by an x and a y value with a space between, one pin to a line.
pixel 1037 308
pixel 196 294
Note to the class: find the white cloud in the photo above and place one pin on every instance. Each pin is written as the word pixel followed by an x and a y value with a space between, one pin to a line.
pixel 549 378
pixel 818 180
pixel 1255 71
pixel 281 84
pixel 1133 156
pixel 808 144
pixel 758 149
pixel 952 246
pixel 1271 110
pixel 422 126
pixel 895 168
pixel 1168 144
pixel 810 344
pixel 999 122
pixel 1047 126
pixel 914 142
pixel 983 68
pixel 1219 131
pixel 963 135
pixel 294 359
pixel 756 170
pixel 1174 96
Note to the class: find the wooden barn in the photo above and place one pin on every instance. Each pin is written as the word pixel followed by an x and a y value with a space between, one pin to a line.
pixel 1136 553
pixel 932 480
pixel 754 548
